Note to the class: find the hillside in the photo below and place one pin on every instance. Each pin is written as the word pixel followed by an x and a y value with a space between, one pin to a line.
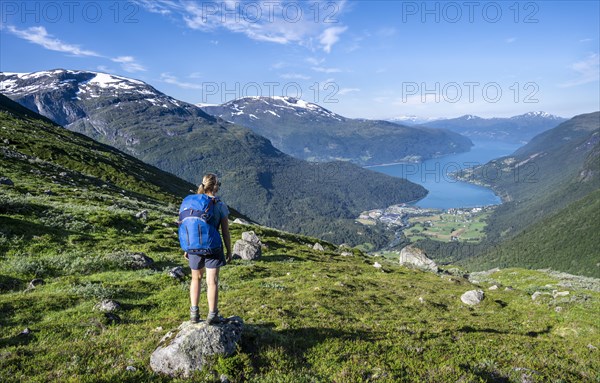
pixel 549 183
pixel 262 182
pixel 309 315
pixel 566 240
pixel 311 132
pixel 517 129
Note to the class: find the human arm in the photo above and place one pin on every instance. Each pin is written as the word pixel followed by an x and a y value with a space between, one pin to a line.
pixel 226 237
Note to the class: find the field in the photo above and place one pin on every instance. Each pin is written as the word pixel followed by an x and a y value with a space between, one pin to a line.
pixel 467 227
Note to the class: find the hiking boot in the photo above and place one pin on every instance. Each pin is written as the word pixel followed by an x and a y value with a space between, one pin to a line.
pixel 194 314
pixel 214 318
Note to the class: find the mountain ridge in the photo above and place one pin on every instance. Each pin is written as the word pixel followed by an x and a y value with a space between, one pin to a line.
pixel 309 131
pixel 262 182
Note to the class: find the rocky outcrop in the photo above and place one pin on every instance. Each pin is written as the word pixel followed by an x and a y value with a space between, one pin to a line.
pixel 189 348
pixel 414 257
pixel 249 247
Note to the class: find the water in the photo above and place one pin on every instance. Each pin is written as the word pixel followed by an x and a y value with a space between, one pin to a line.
pixel 444 191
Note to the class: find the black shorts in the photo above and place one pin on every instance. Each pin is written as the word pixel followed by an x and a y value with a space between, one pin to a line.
pixel 210 261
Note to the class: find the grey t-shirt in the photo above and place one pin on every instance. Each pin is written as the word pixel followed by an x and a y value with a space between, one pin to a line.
pixel 220 211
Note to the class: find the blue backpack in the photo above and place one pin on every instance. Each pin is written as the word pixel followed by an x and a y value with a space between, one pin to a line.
pixel 197 233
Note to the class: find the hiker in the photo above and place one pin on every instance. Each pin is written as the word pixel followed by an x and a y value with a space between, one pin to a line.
pixel 200 217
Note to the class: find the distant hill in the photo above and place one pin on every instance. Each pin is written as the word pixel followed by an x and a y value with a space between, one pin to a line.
pixel 262 182
pixel 550 188
pixel 311 132
pixel 518 129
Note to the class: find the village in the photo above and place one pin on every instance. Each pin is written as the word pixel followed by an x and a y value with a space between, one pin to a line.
pixel 454 224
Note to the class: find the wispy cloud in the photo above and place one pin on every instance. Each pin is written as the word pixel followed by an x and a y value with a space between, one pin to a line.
pixel 588 71
pixel 344 91
pixel 129 64
pixel 39 36
pixel 170 79
pixel 510 40
pixel 331 36
pixel 268 21
pixel 294 76
pixel 325 70
pixel 585 40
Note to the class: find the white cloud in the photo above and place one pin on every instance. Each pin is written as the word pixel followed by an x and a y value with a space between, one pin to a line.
pixel 39 36
pixel 314 61
pixel 294 76
pixel 282 22
pixel 510 40
pixel 129 64
pixel 331 36
pixel 326 70
pixel 195 75
pixel 170 79
pixel 588 71
pixel 344 91
pixel 585 40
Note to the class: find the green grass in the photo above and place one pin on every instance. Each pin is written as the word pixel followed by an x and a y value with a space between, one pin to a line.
pixel 468 227
pixel 309 316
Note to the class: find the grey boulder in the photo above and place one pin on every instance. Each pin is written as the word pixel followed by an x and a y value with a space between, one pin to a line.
pixel 190 348
pixel 472 297
pixel 249 247
pixel 414 257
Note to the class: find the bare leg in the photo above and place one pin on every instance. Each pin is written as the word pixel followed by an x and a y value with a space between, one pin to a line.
pixel 212 290
pixel 195 286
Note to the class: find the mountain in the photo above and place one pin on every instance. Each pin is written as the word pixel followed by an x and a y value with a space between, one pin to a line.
pixel 311 132
pixel 549 185
pixel 72 236
pixel 518 129
pixel 262 182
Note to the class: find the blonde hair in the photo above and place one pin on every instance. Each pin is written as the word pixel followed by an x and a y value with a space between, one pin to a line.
pixel 209 184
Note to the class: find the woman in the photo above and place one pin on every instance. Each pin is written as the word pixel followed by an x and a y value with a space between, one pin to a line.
pixel 212 262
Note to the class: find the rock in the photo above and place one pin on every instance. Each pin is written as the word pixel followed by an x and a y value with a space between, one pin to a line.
pixel 6 181
pixel 508 288
pixel 241 221
pixel 62 174
pixel 317 246
pixel 48 192
pixel 247 250
pixel 131 368
pixel 25 332
pixel 377 265
pixel 556 293
pixel 35 282
pixel 194 345
pixel 142 215
pixel 421 300
pixel 415 257
pixel 472 297
pixel 494 287
pixel 177 272
pixel 107 306
pixel 133 261
pixel 591 347
pixel 535 295
pixel 251 237
pixel 346 254
pixel 224 378
pixel 558 309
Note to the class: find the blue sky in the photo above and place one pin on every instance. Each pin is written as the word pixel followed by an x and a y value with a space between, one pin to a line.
pixel 370 59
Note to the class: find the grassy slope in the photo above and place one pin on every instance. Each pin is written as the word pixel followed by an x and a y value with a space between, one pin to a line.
pixel 311 316
pixel 566 240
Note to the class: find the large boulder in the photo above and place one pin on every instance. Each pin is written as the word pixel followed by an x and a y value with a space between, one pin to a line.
pixel 249 247
pixel 472 297
pixel 192 345
pixel 415 257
